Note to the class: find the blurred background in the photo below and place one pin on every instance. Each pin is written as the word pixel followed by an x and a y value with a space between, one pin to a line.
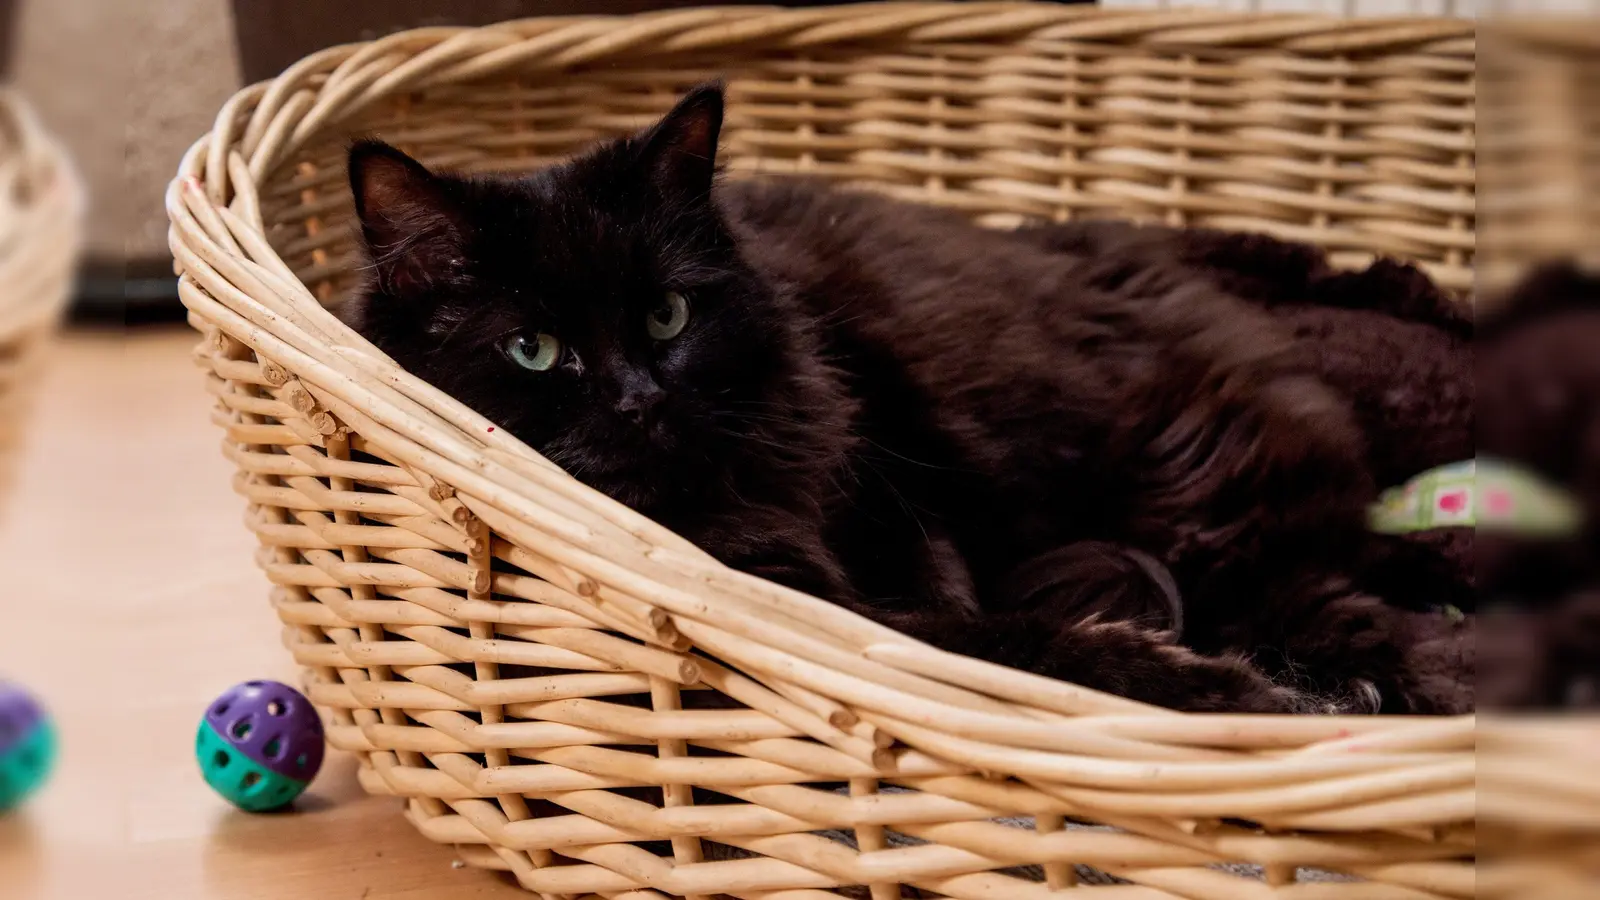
pixel 129 85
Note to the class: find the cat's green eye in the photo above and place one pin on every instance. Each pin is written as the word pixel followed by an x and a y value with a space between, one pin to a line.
pixel 668 319
pixel 537 355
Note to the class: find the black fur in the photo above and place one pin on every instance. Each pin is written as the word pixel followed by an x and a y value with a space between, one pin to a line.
pixel 1006 450
pixel 1540 376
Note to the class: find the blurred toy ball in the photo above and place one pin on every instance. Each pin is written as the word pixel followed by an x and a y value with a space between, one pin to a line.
pixel 27 745
pixel 259 745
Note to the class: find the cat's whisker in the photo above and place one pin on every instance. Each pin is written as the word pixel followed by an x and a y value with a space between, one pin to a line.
pixel 747 436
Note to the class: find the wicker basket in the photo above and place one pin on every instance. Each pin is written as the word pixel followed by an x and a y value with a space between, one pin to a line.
pixel 40 202
pixel 1539 98
pixel 1539 102
pixel 414 549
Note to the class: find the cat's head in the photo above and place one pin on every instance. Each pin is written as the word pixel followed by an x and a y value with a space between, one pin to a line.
pixel 599 309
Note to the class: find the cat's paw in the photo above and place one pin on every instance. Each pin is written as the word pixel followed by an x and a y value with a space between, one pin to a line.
pixel 1365 656
pixel 1359 698
pixel 1145 665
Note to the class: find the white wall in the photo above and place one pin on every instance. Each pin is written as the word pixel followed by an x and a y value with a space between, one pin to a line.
pixel 128 85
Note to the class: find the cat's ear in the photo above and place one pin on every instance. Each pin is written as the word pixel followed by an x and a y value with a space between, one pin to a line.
pixel 412 226
pixel 680 152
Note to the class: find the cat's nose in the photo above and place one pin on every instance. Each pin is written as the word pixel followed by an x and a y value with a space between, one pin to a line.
pixel 641 401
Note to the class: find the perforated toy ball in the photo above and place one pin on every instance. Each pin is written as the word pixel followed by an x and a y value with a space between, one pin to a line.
pixel 27 745
pixel 259 745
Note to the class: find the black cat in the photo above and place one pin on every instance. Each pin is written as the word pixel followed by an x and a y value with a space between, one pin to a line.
pixel 1043 461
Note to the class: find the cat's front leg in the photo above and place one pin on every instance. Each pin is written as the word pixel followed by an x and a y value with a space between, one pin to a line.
pixel 1124 659
pixel 1112 656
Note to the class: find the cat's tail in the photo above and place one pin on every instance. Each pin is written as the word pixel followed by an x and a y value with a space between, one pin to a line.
pixel 1097 578
pixel 1115 657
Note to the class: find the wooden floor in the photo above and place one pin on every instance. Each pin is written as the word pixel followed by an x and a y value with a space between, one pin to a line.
pixel 129 601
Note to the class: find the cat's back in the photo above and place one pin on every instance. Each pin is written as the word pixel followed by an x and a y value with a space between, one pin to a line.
pixel 1015 350
pixel 953 335
pixel 923 279
pixel 805 231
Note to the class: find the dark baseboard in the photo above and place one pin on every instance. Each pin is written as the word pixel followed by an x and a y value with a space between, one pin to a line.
pixel 8 30
pixel 112 293
pixel 273 34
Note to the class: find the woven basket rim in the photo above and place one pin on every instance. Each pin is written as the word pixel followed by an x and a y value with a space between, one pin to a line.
pixel 1002 719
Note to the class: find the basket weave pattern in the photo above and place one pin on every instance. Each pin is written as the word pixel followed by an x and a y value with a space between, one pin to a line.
pixel 1539 97
pixel 39 229
pixel 513 654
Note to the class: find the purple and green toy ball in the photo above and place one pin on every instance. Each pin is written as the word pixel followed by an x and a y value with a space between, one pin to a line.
pixel 27 745
pixel 259 745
